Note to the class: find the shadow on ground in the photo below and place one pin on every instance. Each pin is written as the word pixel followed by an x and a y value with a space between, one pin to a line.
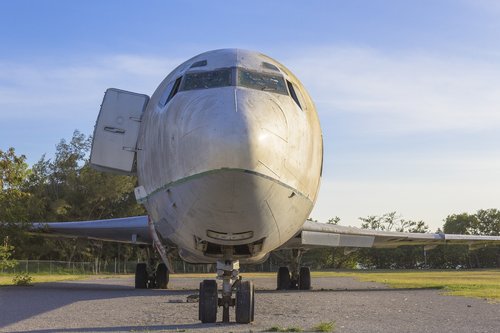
pixel 20 303
pixel 152 328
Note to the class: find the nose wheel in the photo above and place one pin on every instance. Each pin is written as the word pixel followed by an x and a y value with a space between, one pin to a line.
pixel 208 301
pixel 244 302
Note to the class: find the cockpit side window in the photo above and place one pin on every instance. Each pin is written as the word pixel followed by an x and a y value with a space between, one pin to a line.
pixel 206 80
pixel 261 81
pixel 170 90
pixel 293 93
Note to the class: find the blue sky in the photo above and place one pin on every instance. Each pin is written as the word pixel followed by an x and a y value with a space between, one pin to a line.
pixel 408 92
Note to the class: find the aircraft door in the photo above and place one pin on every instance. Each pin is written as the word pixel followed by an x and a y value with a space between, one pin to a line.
pixel 116 131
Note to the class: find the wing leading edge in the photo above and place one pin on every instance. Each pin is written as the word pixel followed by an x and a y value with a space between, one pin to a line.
pixel 133 230
pixel 314 234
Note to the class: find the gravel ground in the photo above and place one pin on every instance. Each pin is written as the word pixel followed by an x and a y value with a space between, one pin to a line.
pixel 112 305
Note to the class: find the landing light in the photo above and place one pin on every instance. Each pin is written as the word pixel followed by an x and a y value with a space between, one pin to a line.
pixel 229 236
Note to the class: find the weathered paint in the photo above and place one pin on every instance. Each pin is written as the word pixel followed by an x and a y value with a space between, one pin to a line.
pixel 229 159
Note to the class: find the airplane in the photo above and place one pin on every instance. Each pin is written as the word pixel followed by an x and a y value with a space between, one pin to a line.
pixel 228 153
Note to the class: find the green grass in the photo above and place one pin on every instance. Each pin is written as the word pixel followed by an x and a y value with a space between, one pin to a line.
pixel 321 327
pixel 469 283
pixel 6 279
pixel 324 327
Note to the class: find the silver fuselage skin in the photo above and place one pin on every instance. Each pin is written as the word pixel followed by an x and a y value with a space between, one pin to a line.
pixel 229 172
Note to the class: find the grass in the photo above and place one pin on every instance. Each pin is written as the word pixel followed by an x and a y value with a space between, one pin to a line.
pixel 468 283
pixel 321 327
pixel 6 279
pixel 324 327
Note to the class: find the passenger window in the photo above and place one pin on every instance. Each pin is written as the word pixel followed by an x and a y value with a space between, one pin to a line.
pixel 293 93
pixel 170 90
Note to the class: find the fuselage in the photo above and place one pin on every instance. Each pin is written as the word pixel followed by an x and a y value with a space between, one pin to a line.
pixel 230 156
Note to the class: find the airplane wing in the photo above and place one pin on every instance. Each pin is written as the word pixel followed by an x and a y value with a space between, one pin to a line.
pixel 133 230
pixel 314 234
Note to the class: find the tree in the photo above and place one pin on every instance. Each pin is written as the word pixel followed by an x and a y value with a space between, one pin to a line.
pixel 6 260
pixel 393 222
pixel 13 174
pixel 487 222
pixel 14 200
pixel 401 257
pixel 483 222
pixel 64 188
pixel 462 224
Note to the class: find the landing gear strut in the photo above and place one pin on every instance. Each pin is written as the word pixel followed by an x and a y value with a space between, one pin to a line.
pixel 244 303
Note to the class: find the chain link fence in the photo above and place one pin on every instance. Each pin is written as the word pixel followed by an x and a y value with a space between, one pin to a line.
pixel 116 267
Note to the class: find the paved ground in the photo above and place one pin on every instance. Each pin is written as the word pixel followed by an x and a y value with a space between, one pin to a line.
pixel 112 305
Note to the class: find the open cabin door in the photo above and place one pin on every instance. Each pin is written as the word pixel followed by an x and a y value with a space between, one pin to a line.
pixel 114 145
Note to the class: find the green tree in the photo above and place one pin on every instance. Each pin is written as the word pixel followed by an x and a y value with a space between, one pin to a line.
pixel 13 174
pixel 483 222
pixel 401 257
pixel 462 224
pixel 6 260
pixel 14 200
pixel 393 222
pixel 64 188
pixel 487 222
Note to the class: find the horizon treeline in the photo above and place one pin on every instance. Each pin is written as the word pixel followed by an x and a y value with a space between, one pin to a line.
pixel 66 188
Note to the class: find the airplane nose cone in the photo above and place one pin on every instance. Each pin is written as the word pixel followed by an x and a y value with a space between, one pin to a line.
pixel 235 128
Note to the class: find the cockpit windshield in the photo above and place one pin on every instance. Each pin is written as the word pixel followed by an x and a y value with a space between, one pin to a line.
pixel 206 80
pixel 235 77
pixel 261 81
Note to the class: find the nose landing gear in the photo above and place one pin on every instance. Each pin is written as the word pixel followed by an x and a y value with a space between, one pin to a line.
pixel 244 303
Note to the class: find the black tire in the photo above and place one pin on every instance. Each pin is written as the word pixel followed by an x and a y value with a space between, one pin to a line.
pixel 162 276
pixel 141 276
pixel 208 301
pixel 283 280
pixel 305 278
pixel 245 302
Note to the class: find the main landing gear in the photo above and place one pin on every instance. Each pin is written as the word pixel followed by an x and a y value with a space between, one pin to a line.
pixel 148 275
pixel 296 277
pixel 287 281
pixel 244 303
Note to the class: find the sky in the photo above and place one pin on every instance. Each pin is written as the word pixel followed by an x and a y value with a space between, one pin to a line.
pixel 408 92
